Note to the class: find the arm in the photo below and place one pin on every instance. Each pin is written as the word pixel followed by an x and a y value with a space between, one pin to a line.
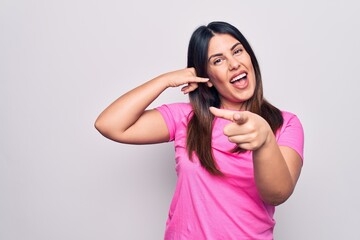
pixel 126 120
pixel 276 169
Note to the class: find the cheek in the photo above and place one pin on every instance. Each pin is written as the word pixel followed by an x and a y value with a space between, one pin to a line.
pixel 216 77
pixel 215 82
pixel 210 73
pixel 213 79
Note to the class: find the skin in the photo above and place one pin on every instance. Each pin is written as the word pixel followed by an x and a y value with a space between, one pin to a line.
pixel 127 121
pixel 228 59
pixel 276 168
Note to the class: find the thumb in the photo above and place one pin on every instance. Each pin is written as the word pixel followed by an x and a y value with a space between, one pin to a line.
pixel 234 116
pixel 240 117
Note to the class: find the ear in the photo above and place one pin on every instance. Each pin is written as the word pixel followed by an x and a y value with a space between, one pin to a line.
pixel 209 84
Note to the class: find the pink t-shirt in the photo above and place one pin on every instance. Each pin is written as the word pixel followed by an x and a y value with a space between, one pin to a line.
pixel 211 207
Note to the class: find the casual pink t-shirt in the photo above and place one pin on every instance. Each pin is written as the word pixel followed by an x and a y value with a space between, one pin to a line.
pixel 211 207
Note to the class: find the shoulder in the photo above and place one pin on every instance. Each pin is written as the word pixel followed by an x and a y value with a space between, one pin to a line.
pixel 178 105
pixel 175 109
pixel 289 118
pixel 176 116
pixel 291 133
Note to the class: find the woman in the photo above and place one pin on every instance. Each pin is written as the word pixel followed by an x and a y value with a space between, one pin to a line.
pixel 237 156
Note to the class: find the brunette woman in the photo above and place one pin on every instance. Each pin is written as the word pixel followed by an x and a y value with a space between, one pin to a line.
pixel 237 156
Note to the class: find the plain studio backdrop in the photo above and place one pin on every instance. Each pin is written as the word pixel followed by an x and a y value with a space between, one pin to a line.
pixel 63 62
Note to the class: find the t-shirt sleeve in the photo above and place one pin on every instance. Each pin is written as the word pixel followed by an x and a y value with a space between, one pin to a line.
pixel 167 113
pixel 291 134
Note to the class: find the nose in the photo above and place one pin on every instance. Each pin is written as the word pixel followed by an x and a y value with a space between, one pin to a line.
pixel 233 63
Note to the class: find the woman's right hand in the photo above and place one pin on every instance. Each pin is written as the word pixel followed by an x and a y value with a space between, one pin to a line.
pixel 184 76
pixel 126 120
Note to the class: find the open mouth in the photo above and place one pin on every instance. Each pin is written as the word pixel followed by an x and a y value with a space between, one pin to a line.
pixel 238 78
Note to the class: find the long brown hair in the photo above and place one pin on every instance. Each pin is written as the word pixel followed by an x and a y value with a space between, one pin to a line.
pixel 199 130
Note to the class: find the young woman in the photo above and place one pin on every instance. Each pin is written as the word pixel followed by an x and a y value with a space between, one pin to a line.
pixel 237 156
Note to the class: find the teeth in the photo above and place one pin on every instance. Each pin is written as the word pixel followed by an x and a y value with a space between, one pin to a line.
pixel 238 77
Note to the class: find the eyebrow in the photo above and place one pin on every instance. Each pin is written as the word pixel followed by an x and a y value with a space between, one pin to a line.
pixel 220 54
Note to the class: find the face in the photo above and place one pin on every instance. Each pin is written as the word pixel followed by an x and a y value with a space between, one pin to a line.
pixel 230 71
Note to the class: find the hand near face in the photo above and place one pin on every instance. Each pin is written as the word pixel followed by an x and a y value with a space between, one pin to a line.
pixel 248 130
pixel 185 76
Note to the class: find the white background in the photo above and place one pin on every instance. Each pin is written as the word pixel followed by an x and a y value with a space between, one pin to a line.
pixel 62 62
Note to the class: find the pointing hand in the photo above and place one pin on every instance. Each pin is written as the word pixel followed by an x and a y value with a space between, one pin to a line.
pixel 248 130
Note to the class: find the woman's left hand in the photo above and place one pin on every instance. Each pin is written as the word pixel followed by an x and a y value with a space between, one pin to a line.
pixel 248 130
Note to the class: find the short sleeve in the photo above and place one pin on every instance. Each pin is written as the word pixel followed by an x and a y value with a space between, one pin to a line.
pixel 291 134
pixel 166 113
pixel 175 116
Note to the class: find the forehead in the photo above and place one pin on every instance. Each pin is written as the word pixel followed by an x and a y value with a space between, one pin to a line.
pixel 220 43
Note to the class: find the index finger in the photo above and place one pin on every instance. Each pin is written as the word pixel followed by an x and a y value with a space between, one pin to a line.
pixel 234 116
pixel 196 78
pixel 222 113
pixel 200 79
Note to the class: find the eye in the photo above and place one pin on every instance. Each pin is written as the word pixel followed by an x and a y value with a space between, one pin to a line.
pixel 238 51
pixel 217 61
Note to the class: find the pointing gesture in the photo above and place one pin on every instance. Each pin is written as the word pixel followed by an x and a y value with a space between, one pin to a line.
pixel 248 130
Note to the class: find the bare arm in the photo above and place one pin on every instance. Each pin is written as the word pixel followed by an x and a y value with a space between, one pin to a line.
pixel 276 169
pixel 126 120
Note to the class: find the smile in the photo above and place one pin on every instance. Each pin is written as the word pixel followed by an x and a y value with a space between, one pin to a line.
pixel 238 78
